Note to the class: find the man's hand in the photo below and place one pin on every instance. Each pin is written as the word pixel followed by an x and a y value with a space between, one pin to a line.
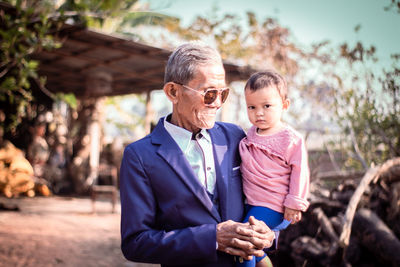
pixel 292 215
pixel 244 239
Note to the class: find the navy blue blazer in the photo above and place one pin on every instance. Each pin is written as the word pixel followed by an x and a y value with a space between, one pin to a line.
pixel 167 216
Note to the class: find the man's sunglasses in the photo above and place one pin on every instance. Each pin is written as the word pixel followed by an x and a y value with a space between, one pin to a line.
pixel 210 95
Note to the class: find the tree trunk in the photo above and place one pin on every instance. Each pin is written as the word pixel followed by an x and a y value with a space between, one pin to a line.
pixel 374 234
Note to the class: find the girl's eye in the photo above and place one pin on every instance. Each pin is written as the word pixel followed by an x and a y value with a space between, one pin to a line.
pixel 250 107
pixel 267 106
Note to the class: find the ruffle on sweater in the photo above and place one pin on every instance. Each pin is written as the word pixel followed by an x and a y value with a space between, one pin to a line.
pixel 278 144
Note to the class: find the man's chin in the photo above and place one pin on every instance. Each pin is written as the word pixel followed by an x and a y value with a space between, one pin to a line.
pixel 209 125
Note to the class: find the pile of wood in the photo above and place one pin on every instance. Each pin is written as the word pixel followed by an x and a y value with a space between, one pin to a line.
pixel 354 223
pixel 17 175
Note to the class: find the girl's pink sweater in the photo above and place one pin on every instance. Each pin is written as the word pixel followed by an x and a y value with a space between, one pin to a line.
pixel 275 170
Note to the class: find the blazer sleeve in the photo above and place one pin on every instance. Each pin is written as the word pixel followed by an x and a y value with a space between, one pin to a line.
pixel 143 240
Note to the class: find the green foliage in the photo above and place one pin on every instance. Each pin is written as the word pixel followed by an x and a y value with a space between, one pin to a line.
pixel 94 13
pixel 97 8
pixel 112 15
pixel 29 26
pixel 261 44
pixel 123 117
pixel 25 29
pixel 70 99
pixel 394 5
pixel 134 19
pixel 368 108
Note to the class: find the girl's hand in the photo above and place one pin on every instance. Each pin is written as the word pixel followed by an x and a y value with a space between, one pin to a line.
pixel 292 215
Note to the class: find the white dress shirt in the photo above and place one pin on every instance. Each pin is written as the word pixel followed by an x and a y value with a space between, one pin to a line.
pixel 198 151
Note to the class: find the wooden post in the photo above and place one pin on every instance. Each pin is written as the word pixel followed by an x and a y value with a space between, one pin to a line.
pixel 98 84
pixel 94 130
pixel 149 113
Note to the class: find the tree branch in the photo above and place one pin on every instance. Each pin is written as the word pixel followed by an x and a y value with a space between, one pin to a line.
pixel 373 174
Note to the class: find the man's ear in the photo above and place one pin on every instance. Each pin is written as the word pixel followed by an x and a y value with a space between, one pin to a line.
pixel 171 91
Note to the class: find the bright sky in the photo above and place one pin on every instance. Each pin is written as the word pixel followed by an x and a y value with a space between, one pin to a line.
pixel 309 20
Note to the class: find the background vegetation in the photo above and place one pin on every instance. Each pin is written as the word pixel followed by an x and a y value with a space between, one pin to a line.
pixel 351 90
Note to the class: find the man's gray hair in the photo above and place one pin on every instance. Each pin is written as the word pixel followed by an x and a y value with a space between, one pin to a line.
pixel 185 59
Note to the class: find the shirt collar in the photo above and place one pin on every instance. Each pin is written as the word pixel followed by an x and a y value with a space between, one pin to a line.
pixel 182 136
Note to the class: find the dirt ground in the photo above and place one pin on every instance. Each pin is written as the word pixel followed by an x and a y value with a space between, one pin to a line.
pixel 60 231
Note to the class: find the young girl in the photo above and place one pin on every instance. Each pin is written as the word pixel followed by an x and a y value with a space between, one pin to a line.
pixel 274 159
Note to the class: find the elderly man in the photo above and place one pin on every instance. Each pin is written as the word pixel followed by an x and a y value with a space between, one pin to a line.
pixel 181 188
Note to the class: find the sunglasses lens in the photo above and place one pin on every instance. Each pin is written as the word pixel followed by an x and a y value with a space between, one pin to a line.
pixel 210 96
pixel 224 95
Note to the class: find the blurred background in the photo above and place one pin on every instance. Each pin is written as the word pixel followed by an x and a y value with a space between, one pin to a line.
pixel 79 80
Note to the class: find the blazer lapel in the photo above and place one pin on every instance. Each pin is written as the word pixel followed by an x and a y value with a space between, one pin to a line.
pixel 220 148
pixel 174 156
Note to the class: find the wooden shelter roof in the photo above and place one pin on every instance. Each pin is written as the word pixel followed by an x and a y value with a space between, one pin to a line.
pixel 134 67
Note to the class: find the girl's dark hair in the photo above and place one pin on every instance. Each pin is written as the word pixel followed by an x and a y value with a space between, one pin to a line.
pixel 268 78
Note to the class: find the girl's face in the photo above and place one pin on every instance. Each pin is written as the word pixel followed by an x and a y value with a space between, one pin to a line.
pixel 264 109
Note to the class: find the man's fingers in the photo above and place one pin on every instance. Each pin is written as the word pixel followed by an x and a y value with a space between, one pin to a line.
pixel 253 231
pixel 258 240
pixel 237 252
pixel 258 226
pixel 247 255
pixel 236 242
pixel 247 231
pixel 270 241
pixel 248 246
pixel 243 239
pixel 258 253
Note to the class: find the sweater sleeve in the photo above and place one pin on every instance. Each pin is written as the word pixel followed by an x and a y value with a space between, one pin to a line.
pixel 299 178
